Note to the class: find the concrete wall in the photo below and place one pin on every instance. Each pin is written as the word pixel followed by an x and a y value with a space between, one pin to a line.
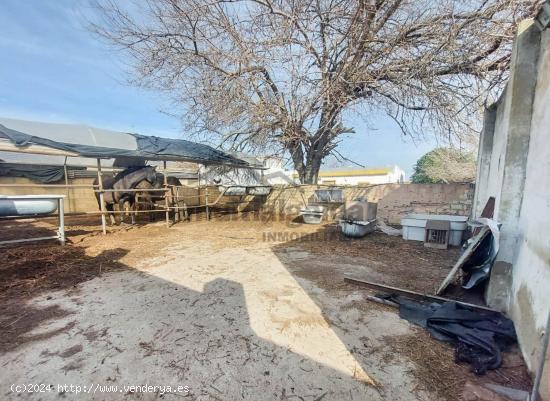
pixel 394 200
pixel 77 199
pixel 514 167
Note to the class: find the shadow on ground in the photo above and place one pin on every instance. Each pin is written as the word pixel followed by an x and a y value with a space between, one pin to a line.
pixel 324 256
pixel 121 326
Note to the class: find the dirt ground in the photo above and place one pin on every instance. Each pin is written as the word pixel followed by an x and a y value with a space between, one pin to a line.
pixel 240 309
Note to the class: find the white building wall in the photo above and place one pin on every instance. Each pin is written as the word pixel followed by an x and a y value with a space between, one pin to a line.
pixel 275 173
pixel 395 176
pixel 531 272
pixel 514 167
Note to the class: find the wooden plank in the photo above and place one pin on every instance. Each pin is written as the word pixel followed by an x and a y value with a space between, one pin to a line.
pixel 463 258
pixel 411 294
pixel 382 301
pixel 101 200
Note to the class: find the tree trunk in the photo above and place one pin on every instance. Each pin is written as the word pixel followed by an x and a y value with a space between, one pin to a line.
pixel 308 171
pixel 312 167
pixel 306 164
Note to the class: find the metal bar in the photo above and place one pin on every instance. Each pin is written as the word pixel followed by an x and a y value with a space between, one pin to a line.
pixel 48 186
pixel 101 200
pixel 92 213
pixel 61 217
pixel 114 212
pixel 130 190
pixel 16 241
pixel 412 294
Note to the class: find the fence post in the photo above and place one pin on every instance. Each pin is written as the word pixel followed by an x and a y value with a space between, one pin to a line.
pixel 101 201
pixel 206 203
pixel 166 195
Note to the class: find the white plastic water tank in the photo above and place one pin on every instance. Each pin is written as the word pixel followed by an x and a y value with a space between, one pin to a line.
pixel 414 226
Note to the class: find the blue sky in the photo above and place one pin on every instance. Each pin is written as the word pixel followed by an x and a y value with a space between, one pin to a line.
pixel 54 70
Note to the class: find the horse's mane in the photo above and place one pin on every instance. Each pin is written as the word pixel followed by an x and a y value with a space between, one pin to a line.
pixel 128 171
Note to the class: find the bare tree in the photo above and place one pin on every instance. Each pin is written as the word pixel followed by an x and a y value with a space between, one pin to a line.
pixel 279 74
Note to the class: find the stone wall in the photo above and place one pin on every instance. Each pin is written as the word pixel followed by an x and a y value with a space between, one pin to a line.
pixel 394 200
pixel 453 199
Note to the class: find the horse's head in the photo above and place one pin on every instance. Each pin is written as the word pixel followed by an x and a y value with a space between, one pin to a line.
pixel 151 175
pixel 159 180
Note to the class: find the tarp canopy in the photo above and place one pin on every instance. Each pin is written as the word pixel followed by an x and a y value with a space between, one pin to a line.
pixel 85 141
pixel 36 172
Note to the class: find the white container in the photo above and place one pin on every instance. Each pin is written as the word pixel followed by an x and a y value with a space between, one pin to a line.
pixel 414 226
pixel 312 214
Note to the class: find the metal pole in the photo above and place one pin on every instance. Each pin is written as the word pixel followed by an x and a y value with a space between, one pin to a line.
pixel 61 216
pixel 542 362
pixel 101 201
pixel 167 189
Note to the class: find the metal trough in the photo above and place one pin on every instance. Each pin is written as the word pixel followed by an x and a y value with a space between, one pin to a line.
pixel 28 205
pixel 34 205
pixel 312 214
pixel 357 229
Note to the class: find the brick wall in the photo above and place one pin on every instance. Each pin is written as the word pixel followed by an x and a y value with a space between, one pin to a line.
pixel 394 200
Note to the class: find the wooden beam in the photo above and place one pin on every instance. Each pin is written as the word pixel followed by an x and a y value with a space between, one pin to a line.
pixel 476 241
pixel 411 294
pixel 167 190
pixel 101 201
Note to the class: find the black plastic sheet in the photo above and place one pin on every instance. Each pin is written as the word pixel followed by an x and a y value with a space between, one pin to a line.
pixel 37 173
pixel 479 336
